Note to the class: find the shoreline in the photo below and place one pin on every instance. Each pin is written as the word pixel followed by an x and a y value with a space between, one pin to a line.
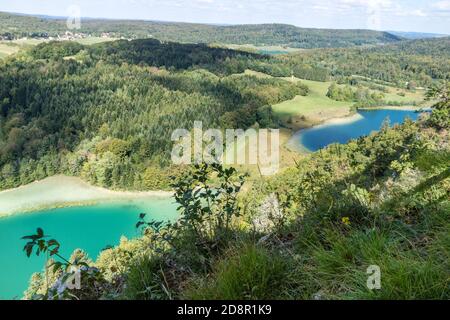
pixel 350 118
pixel 399 108
pixel 299 148
pixel 62 191
pixel 341 120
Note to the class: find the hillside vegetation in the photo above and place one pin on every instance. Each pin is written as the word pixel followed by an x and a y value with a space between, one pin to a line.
pixel 105 112
pixel 418 62
pixel 312 232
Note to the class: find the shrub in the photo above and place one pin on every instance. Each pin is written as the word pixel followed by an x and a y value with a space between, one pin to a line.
pixel 207 209
pixel 145 280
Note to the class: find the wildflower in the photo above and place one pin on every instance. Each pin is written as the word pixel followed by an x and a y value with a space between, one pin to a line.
pixel 346 221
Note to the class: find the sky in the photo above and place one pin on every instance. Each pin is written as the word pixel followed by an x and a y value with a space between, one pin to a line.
pixel 396 15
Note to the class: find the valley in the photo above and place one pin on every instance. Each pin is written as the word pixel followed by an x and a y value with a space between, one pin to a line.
pixel 88 179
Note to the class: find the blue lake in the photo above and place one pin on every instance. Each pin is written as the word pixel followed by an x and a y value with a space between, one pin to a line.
pixel 368 121
pixel 90 228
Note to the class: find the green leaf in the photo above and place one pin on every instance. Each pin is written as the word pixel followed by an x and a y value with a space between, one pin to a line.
pixel 40 232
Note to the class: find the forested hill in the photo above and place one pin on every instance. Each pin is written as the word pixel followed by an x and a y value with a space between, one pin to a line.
pixel 107 112
pixel 421 61
pixel 264 34
pixel 417 35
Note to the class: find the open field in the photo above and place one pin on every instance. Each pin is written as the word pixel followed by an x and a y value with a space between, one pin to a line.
pixel 94 40
pixel 306 111
pixel 404 96
pixel 316 107
pixel 257 74
pixel 288 157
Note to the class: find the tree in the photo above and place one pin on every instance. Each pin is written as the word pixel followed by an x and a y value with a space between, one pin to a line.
pixel 440 116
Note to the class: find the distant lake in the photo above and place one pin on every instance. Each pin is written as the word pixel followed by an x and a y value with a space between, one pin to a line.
pixel 365 122
pixel 273 52
pixel 89 228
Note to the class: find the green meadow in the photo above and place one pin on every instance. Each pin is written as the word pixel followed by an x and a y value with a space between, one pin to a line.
pixel 404 96
pixel 316 107
pixel 304 111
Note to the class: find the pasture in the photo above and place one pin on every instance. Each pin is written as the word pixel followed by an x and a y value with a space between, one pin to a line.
pixel 316 107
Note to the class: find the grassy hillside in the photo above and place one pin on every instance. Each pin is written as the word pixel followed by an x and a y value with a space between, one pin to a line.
pixel 260 35
pixel 316 107
pixel 311 108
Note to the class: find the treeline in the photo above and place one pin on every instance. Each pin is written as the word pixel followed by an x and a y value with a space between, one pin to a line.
pixel 13 26
pixel 220 61
pixel 363 97
pixel 106 113
pixel 264 34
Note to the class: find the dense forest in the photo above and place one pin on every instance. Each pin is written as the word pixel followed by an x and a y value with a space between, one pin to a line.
pixel 105 112
pixel 17 26
pixel 421 61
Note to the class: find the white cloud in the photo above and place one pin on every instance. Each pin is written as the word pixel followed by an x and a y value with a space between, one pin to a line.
pixel 441 9
pixel 411 13
pixel 442 5
pixel 418 13
pixel 368 3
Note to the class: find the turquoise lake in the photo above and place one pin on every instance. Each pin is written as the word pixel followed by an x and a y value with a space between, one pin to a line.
pixel 90 228
pixel 321 136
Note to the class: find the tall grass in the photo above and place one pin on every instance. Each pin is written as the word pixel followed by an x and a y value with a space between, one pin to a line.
pixel 250 272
